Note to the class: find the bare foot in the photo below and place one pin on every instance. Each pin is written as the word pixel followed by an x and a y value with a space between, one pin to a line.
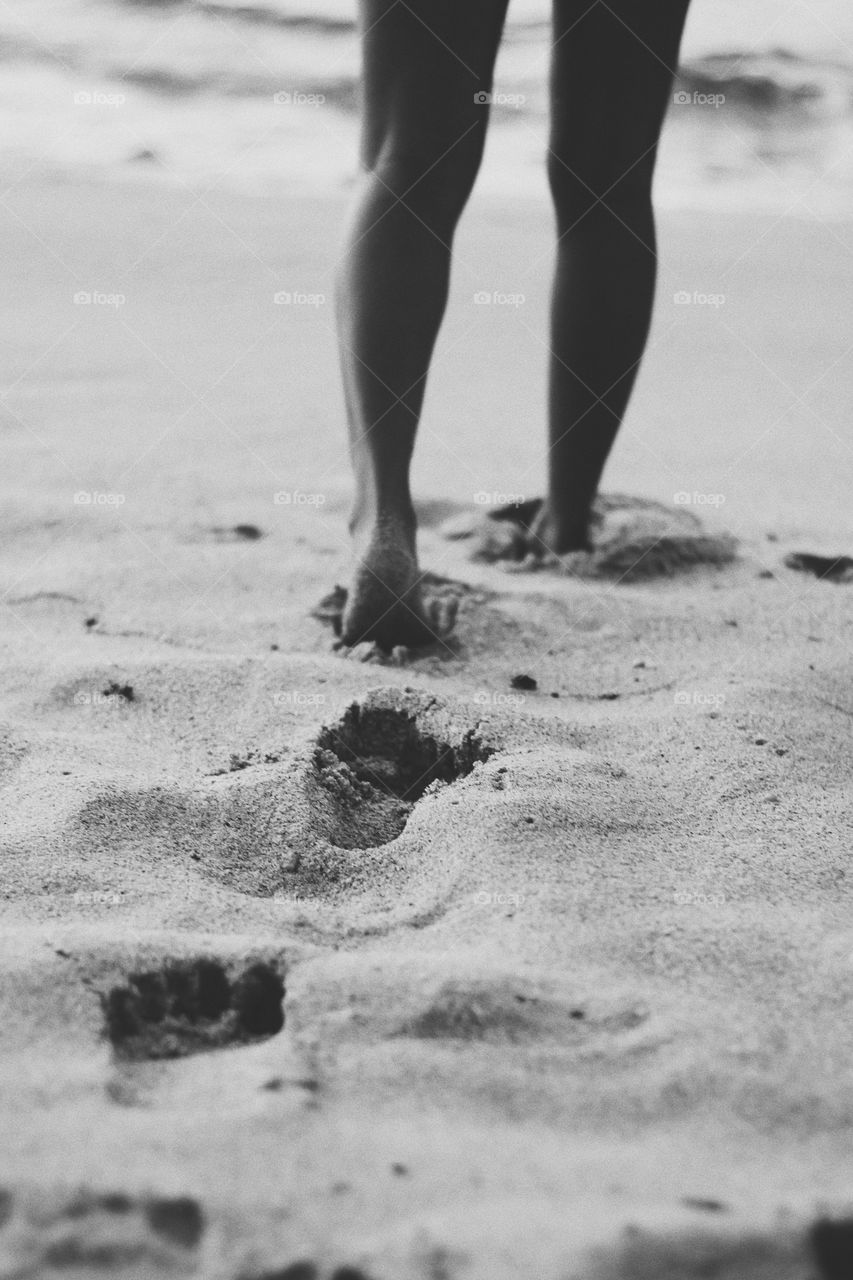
pixel 547 534
pixel 530 531
pixel 386 602
pixel 625 538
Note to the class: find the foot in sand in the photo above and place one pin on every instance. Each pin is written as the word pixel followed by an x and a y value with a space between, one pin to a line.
pixel 387 601
pixel 829 568
pixel 626 537
pixel 545 534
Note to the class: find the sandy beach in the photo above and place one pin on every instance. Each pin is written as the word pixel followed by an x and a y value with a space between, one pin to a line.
pixel 569 996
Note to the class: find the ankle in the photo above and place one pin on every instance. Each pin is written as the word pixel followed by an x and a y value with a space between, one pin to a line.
pixel 387 525
pixel 562 530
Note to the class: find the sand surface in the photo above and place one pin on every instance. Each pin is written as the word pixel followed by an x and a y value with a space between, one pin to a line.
pixel 569 968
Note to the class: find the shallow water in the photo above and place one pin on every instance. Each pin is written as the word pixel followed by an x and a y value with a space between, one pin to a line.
pixel 261 94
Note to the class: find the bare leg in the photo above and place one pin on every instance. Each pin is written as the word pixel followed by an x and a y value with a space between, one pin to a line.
pixel 612 69
pixel 423 135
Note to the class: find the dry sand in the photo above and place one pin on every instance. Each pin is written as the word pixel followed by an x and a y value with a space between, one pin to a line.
pixel 582 1010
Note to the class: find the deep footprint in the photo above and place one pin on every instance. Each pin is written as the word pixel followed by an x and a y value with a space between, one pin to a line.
pixel 378 760
pixel 190 1006
pixel 632 538
pixel 106 1233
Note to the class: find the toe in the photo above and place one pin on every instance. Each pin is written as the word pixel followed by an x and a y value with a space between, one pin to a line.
pixel 441 615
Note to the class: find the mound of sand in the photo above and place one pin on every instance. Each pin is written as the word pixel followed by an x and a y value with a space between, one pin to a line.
pixel 632 538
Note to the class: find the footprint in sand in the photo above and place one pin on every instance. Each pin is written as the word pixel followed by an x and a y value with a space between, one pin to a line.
pixel 189 1006
pixel 374 764
pixel 250 828
pixel 632 538
pixel 500 1010
pixel 235 827
pixel 449 999
pixel 106 1233
pixel 838 569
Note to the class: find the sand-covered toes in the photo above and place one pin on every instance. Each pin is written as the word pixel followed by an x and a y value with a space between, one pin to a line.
pixel 190 1006
pixel 631 539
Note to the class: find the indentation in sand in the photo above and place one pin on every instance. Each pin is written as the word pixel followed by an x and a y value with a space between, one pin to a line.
pixel 376 762
pixel 632 538
pixel 827 568
pixel 103 1233
pixel 496 1009
pixel 233 828
pixel 189 1006
pixel 347 997
pixel 353 785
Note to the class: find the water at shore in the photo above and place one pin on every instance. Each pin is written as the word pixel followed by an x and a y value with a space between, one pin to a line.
pixel 259 95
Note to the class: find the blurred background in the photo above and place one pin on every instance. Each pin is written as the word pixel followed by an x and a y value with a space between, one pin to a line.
pixel 174 182
pixel 253 94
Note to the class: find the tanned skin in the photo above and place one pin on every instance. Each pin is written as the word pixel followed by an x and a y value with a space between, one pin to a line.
pixel 423 131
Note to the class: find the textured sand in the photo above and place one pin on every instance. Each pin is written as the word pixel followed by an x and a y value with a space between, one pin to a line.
pixel 568 968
